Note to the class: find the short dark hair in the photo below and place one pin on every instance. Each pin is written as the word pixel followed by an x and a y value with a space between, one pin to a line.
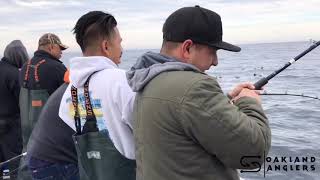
pixel 93 26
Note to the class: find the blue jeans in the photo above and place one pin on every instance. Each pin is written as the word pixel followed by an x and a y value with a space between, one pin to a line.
pixel 42 170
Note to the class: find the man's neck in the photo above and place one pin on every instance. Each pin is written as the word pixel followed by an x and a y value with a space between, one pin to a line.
pixel 88 53
pixel 46 52
pixel 173 54
pixel 45 49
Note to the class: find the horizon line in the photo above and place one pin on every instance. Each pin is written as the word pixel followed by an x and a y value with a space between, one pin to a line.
pixel 242 44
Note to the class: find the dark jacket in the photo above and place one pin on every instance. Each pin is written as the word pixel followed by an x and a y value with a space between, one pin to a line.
pixel 51 73
pixel 9 89
pixel 186 129
pixel 15 55
pixel 51 137
pixel 10 125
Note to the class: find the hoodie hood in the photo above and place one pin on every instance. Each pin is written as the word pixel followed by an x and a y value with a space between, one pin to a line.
pixel 82 67
pixel 151 64
pixel 16 54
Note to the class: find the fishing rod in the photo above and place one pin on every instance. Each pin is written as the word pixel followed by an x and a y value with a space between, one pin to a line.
pixel 263 81
pixel 12 159
pixel 5 175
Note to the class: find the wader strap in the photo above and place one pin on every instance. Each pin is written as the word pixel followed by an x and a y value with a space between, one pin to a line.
pixel 89 109
pixel 74 96
pixel 36 74
pixel 91 121
pixel 26 75
pixel 36 67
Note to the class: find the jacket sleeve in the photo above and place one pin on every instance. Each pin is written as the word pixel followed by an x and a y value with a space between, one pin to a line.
pixel 60 74
pixel 226 131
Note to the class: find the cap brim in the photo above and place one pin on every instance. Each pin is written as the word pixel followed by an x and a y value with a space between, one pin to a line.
pixel 225 46
pixel 63 47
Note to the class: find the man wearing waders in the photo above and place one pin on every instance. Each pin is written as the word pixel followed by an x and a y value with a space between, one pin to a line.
pixel 15 54
pixel 39 78
pixel 98 102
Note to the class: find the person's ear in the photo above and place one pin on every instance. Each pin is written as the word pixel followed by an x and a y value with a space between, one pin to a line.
pixel 105 48
pixel 186 49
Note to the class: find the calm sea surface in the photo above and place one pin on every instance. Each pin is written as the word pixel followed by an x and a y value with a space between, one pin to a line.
pixel 294 121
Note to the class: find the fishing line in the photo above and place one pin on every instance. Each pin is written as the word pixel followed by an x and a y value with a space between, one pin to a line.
pixel 289 94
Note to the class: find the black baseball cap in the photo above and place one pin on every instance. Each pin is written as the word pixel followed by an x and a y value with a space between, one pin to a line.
pixel 201 25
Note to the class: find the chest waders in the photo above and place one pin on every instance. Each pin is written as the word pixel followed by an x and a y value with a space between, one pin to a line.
pixel 98 159
pixel 31 102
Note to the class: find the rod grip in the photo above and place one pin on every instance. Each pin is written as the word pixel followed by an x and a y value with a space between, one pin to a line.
pixel 259 84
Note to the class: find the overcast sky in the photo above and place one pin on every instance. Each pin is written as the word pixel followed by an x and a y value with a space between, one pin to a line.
pixel 140 21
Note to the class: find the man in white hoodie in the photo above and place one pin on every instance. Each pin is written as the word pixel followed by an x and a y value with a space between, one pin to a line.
pixel 110 95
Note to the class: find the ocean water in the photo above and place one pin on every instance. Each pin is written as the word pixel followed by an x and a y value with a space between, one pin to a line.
pixel 294 121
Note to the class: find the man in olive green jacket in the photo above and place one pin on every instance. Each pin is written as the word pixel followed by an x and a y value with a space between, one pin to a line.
pixel 185 127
